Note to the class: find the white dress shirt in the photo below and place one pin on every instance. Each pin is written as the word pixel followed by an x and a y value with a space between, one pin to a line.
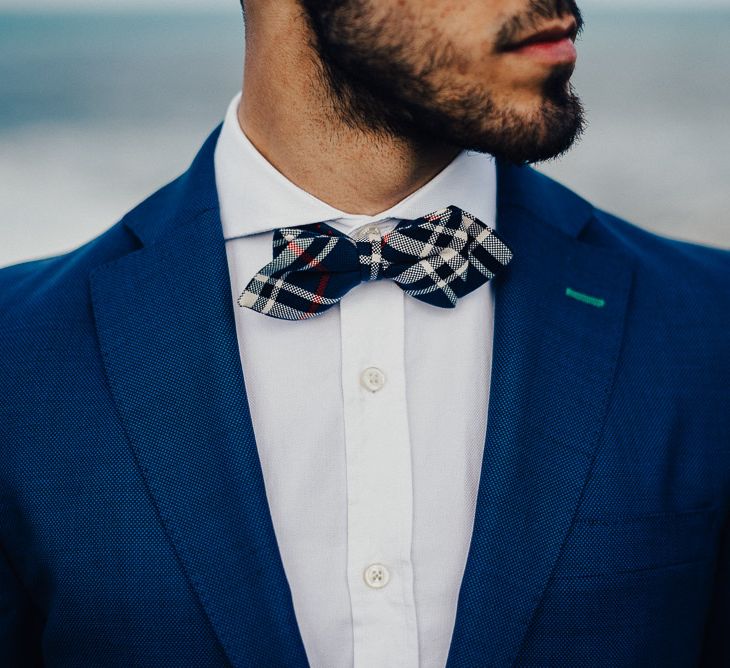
pixel 370 421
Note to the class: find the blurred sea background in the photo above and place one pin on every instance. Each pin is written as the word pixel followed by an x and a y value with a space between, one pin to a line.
pixel 100 108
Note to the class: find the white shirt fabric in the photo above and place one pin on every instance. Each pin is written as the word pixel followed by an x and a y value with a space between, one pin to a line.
pixel 369 419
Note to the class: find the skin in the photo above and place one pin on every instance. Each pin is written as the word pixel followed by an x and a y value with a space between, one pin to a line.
pixel 361 102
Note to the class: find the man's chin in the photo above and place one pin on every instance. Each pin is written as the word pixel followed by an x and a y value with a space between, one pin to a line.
pixel 522 149
pixel 543 135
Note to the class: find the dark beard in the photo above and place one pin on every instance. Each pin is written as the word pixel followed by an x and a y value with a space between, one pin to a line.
pixel 377 87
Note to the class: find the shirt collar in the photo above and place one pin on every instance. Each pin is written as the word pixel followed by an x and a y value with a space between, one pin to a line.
pixel 255 197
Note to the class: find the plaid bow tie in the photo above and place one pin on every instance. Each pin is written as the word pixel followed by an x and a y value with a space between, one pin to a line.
pixel 436 258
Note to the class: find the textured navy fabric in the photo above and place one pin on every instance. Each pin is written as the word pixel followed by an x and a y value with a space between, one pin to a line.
pixel 134 524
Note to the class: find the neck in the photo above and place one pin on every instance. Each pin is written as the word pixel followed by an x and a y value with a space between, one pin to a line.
pixel 285 113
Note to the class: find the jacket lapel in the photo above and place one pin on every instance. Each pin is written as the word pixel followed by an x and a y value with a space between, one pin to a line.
pixel 553 365
pixel 166 329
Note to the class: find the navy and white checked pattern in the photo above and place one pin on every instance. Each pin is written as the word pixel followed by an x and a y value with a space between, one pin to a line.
pixel 437 258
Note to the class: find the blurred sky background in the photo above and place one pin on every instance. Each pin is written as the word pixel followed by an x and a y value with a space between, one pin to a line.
pixel 102 102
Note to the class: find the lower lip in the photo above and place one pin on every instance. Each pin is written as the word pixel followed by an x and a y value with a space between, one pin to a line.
pixel 555 52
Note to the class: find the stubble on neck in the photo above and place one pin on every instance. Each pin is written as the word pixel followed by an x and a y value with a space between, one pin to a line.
pixel 290 115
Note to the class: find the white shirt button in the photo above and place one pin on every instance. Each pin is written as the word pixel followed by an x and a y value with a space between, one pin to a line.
pixel 372 379
pixel 376 576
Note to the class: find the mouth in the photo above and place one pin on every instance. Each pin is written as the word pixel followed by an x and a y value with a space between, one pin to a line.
pixel 553 44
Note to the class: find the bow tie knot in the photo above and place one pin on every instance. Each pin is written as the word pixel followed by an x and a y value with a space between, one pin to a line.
pixel 370 256
pixel 437 259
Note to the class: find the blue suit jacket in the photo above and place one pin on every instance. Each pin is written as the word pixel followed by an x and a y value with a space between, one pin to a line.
pixel 134 525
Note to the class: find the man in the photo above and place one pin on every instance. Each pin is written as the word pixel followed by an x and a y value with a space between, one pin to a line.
pixel 219 449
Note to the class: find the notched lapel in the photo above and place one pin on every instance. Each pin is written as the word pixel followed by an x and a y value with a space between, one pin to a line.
pixel 166 329
pixel 553 367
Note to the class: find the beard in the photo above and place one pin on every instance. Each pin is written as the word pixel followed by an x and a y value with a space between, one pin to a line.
pixel 380 85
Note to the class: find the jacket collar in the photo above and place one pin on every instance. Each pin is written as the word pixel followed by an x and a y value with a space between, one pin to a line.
pixel 195 192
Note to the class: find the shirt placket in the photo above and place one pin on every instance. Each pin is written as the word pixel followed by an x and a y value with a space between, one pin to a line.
pixel 379 473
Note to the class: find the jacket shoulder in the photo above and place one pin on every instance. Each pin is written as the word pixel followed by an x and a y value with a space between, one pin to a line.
pixel 684 284
pixel 681 289
pixel 41 291
pixel 56 287
pixel 680 264
pixel 699 269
